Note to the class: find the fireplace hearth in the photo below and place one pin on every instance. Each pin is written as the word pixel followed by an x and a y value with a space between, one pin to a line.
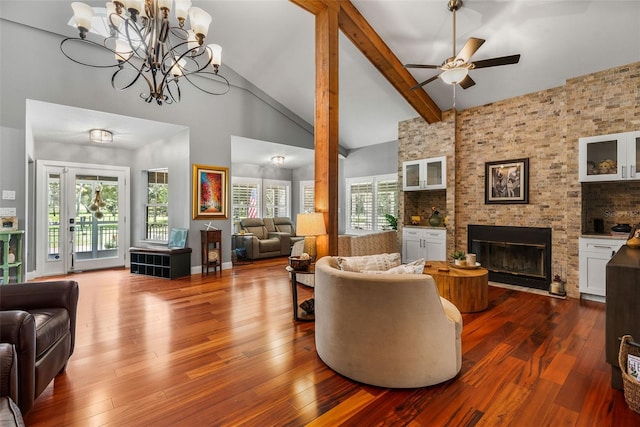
pixel 514 255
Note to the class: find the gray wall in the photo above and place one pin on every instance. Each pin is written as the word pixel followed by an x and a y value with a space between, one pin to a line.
pixel 45 74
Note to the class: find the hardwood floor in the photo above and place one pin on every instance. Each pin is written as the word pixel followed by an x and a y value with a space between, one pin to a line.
pixel 223 350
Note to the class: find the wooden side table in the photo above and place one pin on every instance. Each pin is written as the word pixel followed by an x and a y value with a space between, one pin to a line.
pixel 298 313
pixel 467 289
pixel 211 241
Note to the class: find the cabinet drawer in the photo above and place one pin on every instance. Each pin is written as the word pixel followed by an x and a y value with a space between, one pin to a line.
pixel 604 246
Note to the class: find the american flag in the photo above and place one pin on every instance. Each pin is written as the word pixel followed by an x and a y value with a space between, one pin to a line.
pixel 253 211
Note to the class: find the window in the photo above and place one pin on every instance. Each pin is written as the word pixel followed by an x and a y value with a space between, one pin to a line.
pixel 245 196
pixel 257 198
pixel 307 196
pixel 157 207
pixel 276 198
pixel 369 199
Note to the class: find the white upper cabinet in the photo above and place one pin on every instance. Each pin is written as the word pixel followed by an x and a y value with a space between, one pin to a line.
pixel 424 174
pixel 611 157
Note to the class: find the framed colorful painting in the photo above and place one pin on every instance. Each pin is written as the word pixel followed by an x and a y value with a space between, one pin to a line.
pixel 507 182
pixel 210 192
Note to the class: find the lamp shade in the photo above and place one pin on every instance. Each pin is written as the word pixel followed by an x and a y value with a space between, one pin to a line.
pixel 112 15
pixel 200 21
pixel 182 9
pixel 216 55
pixel 177 68
pixel 454 75
pixel 310 224
pixel 123 51
pixel 82 13
pixel 165 4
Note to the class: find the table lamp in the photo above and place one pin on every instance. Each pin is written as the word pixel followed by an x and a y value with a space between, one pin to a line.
pixel 310 225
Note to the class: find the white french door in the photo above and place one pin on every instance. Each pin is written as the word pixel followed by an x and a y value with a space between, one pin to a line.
pixel 82 217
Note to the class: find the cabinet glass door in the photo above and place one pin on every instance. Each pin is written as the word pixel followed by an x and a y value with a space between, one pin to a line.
pixel 434 173
pixel 634 157
pixel 411 175
pixel 603 158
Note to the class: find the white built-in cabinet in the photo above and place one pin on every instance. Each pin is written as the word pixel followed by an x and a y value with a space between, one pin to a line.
pixel 595 253
pixel 424 174
pixel 611 157
pixel 427 243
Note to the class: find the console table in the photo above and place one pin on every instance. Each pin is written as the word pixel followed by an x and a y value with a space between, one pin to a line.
pixel 210 244
pixel 161 262
pixel 11 239
pixel 467 289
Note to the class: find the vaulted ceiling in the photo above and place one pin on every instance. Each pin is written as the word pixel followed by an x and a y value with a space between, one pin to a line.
pixel 271 44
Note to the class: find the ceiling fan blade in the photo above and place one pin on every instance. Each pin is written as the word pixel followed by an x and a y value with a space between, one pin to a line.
pixel 493 62
pixel 425 82
pixel 467 82
pixel 469 48
pixel 421 66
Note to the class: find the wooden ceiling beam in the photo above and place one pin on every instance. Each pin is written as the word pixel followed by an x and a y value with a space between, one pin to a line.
pixel 365 38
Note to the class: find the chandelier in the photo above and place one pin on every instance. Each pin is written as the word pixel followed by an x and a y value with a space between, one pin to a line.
pixel 143 45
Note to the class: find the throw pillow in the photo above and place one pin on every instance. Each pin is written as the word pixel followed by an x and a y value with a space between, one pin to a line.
pixel 377 262
pixel 415 267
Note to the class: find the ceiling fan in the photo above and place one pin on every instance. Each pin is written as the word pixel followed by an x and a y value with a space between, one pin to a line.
pixel 455 70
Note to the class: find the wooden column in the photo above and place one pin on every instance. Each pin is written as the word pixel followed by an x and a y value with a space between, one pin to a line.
pixel 326 127
pixel 331 16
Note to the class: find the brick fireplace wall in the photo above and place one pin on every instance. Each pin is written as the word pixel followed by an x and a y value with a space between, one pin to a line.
pixel 545 127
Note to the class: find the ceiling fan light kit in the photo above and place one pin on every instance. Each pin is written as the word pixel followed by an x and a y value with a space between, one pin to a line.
pixel 455 70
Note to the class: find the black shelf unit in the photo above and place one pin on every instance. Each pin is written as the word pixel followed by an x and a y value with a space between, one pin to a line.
pixel 161 262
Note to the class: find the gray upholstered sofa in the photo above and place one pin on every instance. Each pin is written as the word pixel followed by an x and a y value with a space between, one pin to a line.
pixel 260 242
pixel 283 224
pixel 385 330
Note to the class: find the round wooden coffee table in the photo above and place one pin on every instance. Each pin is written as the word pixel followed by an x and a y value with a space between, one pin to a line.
pixel 467 289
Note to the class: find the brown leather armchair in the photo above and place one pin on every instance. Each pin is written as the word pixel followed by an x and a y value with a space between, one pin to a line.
pixel 10 415
pixel 39 319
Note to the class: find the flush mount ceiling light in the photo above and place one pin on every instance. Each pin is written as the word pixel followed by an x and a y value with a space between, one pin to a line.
pixel 143 45
pixel 277 160
pixel 100 136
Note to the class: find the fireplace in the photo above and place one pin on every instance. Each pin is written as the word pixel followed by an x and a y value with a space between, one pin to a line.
pixel 515 255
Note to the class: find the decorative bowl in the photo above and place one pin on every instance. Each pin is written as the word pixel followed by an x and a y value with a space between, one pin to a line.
pixel 299 264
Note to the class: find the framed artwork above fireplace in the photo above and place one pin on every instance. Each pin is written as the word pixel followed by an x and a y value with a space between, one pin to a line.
pixel 506 182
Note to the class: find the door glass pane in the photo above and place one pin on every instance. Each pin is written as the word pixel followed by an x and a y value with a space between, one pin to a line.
pixel 96 221
pixel 602 158
pixel 53 223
